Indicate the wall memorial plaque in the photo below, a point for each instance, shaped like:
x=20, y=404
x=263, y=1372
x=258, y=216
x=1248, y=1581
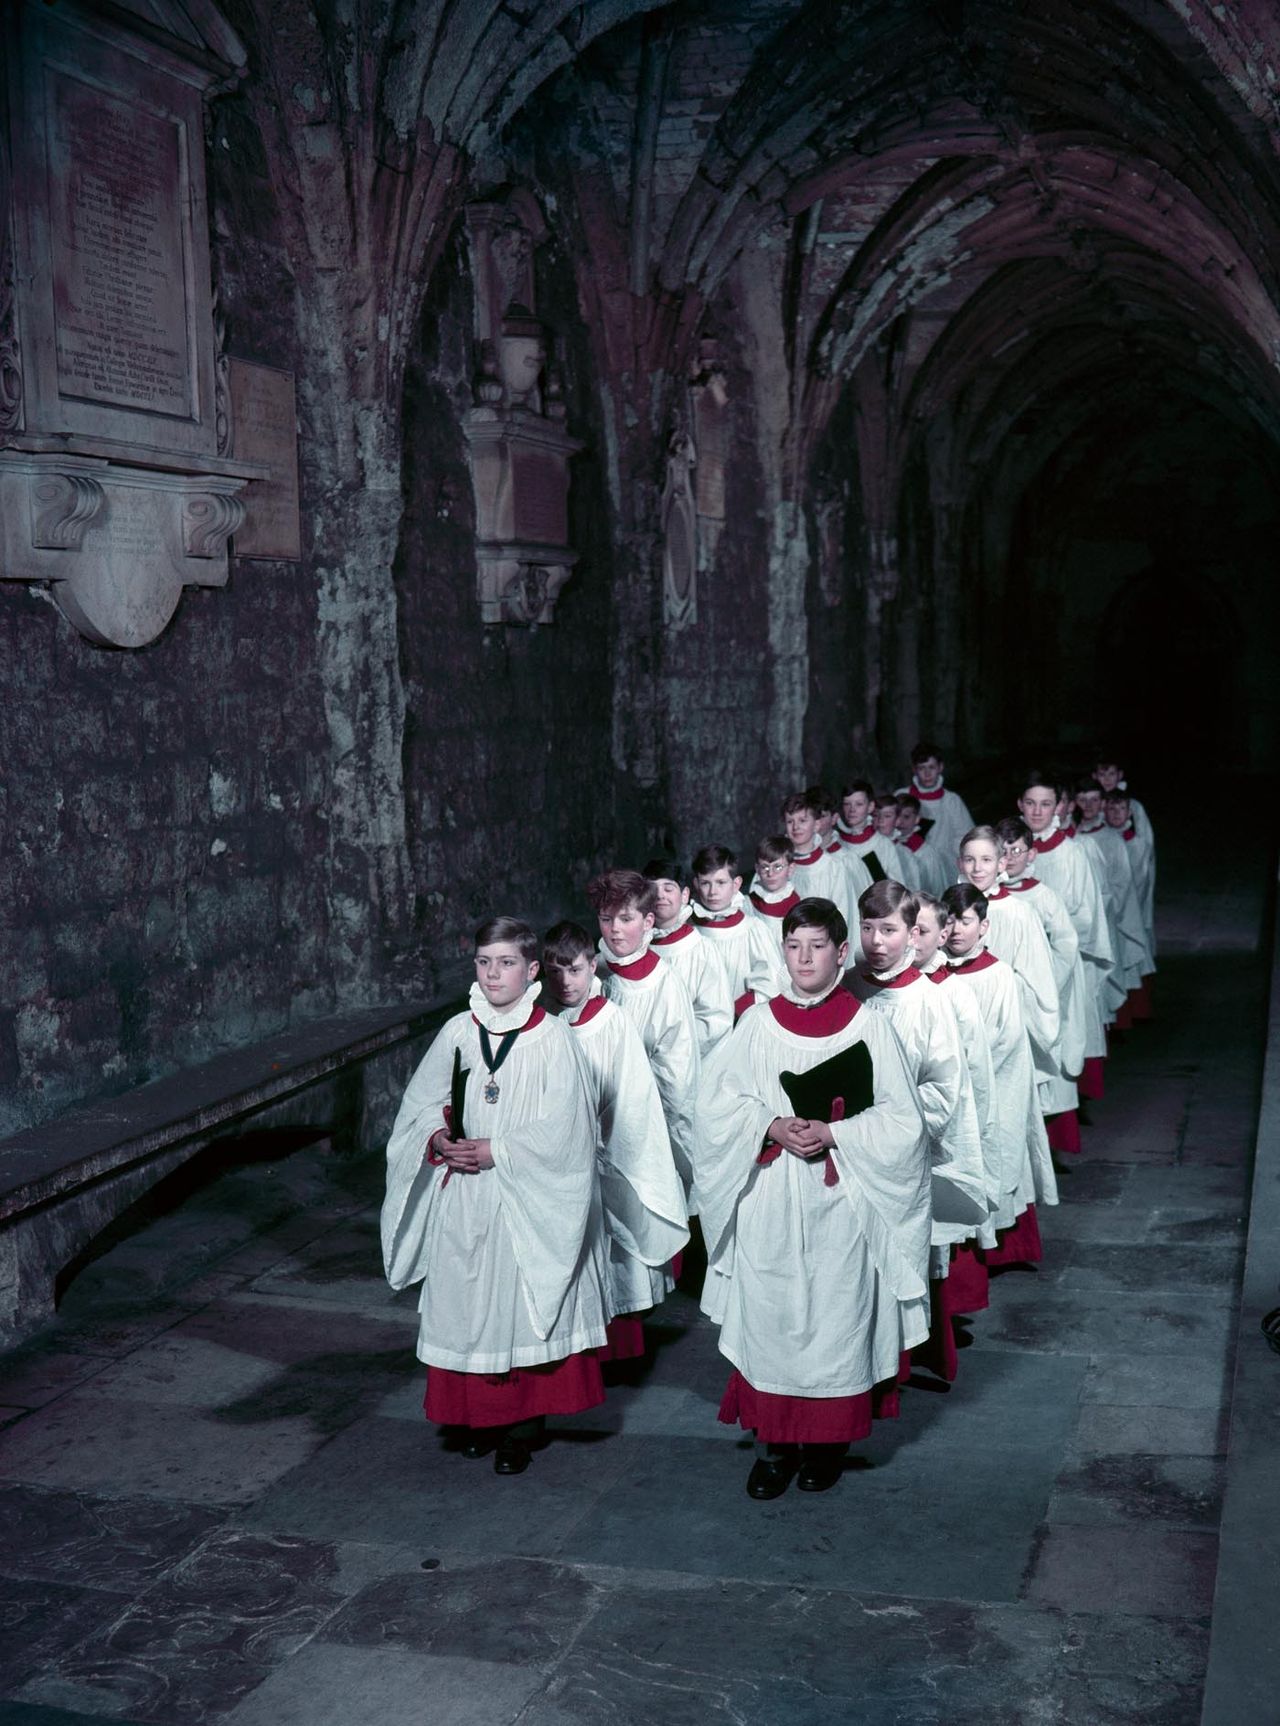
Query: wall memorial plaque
x=518, y=445
x=264, y=429
x=119, y=293
x=112, y=487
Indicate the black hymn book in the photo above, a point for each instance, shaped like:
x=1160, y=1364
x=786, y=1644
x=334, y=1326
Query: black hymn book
x=848, y=1075
x=457, y=1096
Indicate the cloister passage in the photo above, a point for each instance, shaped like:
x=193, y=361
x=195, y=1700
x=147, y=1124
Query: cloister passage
x=689, y=401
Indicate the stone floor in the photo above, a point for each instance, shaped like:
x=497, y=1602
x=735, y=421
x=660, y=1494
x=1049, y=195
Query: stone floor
x=220, y=1501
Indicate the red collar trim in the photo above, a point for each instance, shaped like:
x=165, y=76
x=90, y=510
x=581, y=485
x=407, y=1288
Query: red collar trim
x=928, y=796
x=535, y=1018
x=709, y=925
x=1001, y=892
x=1044, y=845
x=641, y=969
x=685, y=929
x=814, y=856
x=901, y=981
x=940, y=975
x=983, y=962
x=778, y=909
x=1022, y=884
x=595, y=1005
x=913, y=841
x=824, y=1020
x=868, y=832
x=1130, y=832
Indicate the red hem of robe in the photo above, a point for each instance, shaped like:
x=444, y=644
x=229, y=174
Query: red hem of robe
x=1063, y=1132
x=1018, y=1245
x=1139, y=1003
x=501, y=1399
x=967, y=1287
x=624, y=1339
x=805, y=1419
x=1091, y=1083
x=937, y=1353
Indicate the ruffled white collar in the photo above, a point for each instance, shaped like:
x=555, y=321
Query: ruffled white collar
x=973, y=953
x=736, y=904
x=929, y=966
x=907, y=960
x=597, y=988
x=789, y=992
x=500, y=1021
x=612, y=958
x=771, y=895
x=686, y=911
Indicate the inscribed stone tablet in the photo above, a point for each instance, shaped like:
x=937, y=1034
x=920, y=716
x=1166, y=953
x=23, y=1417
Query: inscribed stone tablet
x=117, y=221
x=265, y=430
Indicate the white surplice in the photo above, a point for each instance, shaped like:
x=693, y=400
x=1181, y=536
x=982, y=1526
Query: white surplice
x=653, y=996
x=748, y=948
x=976, y=1045
x=512, y=1260
x=930, y=1036
x=702, y=975
x=1060, y=863
x=1026, y=1163
x=1123, y=903
x=818, y=1287
x=641, y=1191
x=818, y=874
x=949, y=819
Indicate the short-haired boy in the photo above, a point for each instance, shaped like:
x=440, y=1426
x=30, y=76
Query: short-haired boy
x=1124, y=908
x=936, y=873
x=1117, y=808
x=645, y=1217
x=889, y=981
x=493, y=1204
x=653, y=996
x=948, y=811
x=1080, y=1025
x=816, y=873
x=746, y=945
x=1017, y=935
x=1060, y=861
x=902, y=863
x=773, y=893
x=965, y=1288
x=675, y=938
x=816, y=1222
x=1026, y=1161
x=862, y=839
x=1110, y=775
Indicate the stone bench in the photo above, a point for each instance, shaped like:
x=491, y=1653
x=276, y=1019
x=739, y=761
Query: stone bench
x=62, y=1183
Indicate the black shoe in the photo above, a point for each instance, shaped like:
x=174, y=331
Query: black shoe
x=819, y=1475
x=770, y=1477
x=476, y=1446
x=511, y=1456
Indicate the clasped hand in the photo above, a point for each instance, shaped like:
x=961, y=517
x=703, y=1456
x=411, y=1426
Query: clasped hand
x=467, y=1156
x=802, y=1138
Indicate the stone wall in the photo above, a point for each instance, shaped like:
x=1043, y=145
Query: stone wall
x=160, y=810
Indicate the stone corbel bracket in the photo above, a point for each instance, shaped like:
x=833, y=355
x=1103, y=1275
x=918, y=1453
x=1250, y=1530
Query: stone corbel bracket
x=116, y=543
x=208, y=521
x=518, y=585
x=62, y=507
